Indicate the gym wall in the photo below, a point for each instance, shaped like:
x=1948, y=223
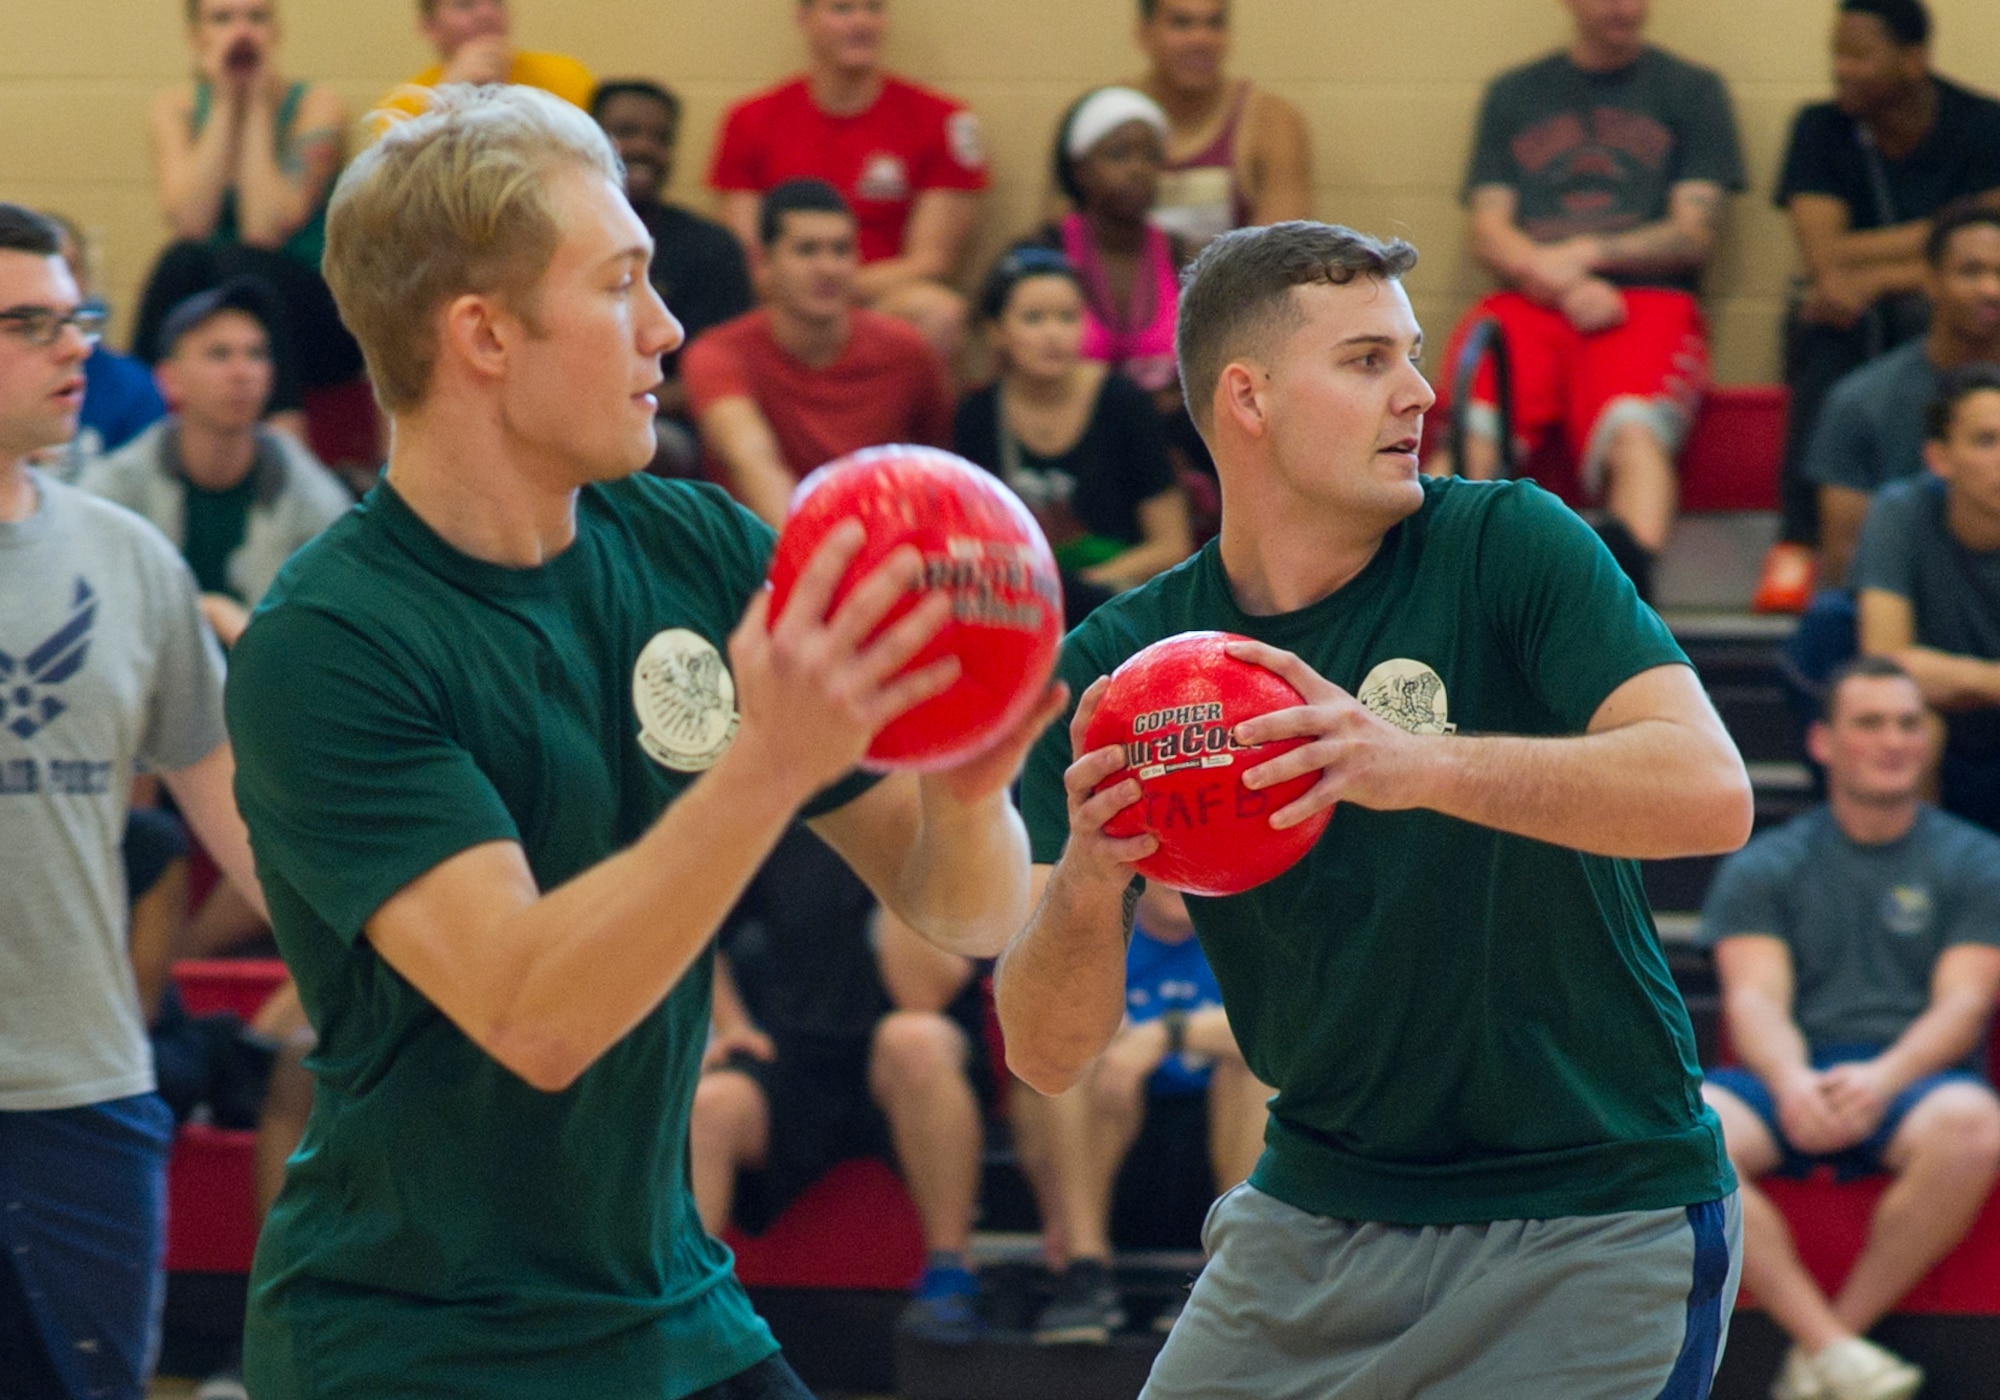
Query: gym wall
x=1389, y=91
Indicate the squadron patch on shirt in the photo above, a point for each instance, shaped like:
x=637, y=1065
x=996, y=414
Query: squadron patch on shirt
x=1906, y=910
x=1408, y=694
x=968, y=146
x=685, y=699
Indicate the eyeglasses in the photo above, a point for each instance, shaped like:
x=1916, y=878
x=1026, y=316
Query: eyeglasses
x=43, y=325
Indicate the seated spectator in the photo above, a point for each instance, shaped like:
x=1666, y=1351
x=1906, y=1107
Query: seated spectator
x=825, y=1048
x=1108, y=156
x=1174, y=1062
x=910, y=162
x=1236, y=154
x=808, y=376
x=234, y=497
x=120, y=399
x=1595, y=186
x=243, y=160
x=1862, y=178
x=1871, y=430
x=240, y=1076
x=697, y=264
x=1079, y=444
x=1928, y=579
x=1858, y=949
x=474, y=43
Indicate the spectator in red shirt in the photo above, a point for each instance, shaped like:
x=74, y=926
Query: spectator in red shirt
x=909, y=161
x=808, y=376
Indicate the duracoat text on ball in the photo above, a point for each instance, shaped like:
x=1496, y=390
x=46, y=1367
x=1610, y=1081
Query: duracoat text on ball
x=981, y=545
x=1174, y=708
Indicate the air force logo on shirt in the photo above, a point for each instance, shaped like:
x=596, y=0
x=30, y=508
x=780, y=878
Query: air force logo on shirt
x=1408, y=694
x=685, y=699
x=30, y=696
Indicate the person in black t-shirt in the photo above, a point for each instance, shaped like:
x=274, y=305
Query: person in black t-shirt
x=1080, y=444
x=1863, y=176
x=697, y=264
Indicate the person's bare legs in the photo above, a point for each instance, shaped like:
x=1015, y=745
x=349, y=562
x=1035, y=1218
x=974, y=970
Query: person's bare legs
x=916, y=1074
x=729, y=1131
x=1031, y=1119
x=224, y=920
x=1236, y=1119
x=1771, y=1265
x=1945, y=1156
x=1094, y=1125
x=1641, y=487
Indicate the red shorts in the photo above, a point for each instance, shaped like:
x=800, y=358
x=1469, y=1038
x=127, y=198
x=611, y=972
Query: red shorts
x=1653, y=368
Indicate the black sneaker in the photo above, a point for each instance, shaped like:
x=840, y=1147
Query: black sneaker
x=1085, y=1309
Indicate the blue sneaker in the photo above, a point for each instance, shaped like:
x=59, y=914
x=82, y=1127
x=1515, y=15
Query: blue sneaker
x=944, y=1308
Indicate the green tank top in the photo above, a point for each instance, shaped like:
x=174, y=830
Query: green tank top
x=308, y=240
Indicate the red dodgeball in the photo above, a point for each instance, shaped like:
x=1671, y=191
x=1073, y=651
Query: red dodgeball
x=1174, y=706
x=980, y=543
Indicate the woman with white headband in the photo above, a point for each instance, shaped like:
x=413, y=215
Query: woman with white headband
x=1108, y=158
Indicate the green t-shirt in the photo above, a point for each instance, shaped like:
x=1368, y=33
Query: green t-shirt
x=1462, y=1025
x=445, y=1229
x=213, y=525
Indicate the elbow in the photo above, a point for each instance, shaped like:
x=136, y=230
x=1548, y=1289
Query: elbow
x=547, y=1063
x=1727, y=810
x=1045, y=1076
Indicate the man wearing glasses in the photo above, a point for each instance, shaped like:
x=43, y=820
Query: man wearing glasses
x=104, y=663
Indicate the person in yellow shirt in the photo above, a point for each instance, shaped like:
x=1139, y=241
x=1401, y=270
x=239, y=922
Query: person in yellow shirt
x=474, y=43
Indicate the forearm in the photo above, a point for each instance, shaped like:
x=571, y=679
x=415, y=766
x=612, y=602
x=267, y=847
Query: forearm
x=192, y=188
x=1060, y=985
x=1937, y=1040
x=1510, y=255
x=877, y=279
x=964, y=887
x=205, y=793
x=1874, y=248
x=1669, y=246
x=727, y=1012
x=588, y=961
x=1766, y=1040
x=1647, y=790
x=1208, y=1034
x=742, y=440
x=1949, y=681
x=1137, y=564
x=269, y=202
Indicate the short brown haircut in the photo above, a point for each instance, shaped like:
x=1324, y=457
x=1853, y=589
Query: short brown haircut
x=451, y=202
x=1858, y=668
x=1238, y=294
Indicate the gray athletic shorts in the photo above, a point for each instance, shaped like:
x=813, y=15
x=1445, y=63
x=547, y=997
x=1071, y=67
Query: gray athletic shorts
x=1607, y=1307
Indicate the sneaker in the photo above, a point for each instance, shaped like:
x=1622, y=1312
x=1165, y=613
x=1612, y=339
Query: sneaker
x=1857, y=1369
x=945, y=1308
x=1797, y=1380
x=1085, y=1309
x=1786, y=583
x=1165, y=1318
x=225, y=1384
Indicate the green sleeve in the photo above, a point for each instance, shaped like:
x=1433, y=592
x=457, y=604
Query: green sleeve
x=1571, y=618
x=346, y=772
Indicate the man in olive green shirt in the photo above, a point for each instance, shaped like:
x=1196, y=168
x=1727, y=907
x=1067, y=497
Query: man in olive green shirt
x=510, y=748
x=1488, y=1169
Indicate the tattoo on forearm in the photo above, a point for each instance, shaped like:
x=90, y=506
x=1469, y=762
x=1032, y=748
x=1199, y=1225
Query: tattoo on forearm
x=1128, y=911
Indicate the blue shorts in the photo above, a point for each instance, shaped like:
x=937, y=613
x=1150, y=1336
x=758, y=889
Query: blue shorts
x=83, y=1196
x=1865, y=1157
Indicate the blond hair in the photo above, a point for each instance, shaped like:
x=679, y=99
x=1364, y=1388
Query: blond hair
x=450, y=202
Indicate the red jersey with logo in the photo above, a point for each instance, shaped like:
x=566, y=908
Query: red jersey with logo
x=887, y=385
x=908, y=140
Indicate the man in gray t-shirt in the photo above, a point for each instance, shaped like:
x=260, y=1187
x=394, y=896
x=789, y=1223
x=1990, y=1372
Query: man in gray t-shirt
x=1928, y=576
x=105, y=664
x=1858, y=948
x=1871, y=428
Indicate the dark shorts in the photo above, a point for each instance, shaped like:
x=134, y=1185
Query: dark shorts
x=822, y=1113
x=208, y=1061
x=770, y=1379
x=82, y=1235
x=1865, y=1157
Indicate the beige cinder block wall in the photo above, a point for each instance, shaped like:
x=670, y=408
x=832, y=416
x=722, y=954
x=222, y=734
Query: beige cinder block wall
x=1389, y=90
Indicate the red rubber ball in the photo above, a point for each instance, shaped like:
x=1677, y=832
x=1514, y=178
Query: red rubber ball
x=981, y=545
x=1174, y=707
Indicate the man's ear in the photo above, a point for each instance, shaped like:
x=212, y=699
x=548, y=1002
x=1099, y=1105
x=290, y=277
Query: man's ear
x=479, y=333
x=1240, y=397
